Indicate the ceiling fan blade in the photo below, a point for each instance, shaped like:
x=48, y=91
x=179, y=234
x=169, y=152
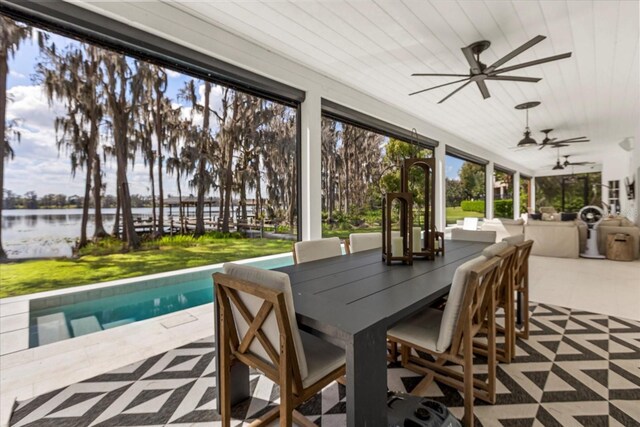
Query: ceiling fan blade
x=435, y=87
x=439, y=75
x=534, y=41
x=484, y=90
x=468, y=53
x=572, y=139
x=515, y=79
x=571, y=142
x=581, y=163
x=531, y=63
x=453, y=93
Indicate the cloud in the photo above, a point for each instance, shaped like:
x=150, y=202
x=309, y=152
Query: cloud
x=39, y=166
x=17, y=75
x=171, y=73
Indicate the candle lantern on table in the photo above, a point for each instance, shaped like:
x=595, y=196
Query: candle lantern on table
x=397, y=246
x=427, y=246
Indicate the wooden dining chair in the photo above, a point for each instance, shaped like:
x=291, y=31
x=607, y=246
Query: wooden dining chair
x=311, y=250
x=521, y=283
x=503, y=300
x=359, y=242
x=258, y=328
x=448, y=335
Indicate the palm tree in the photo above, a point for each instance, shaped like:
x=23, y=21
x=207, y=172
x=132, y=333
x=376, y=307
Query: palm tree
x=12, y=35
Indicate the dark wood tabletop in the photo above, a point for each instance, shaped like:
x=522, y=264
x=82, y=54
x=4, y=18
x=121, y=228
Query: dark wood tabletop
x=347, y=294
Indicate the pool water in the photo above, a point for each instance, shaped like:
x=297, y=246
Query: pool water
x=62, y=322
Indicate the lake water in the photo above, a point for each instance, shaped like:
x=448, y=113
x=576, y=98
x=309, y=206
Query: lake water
x=34, y=233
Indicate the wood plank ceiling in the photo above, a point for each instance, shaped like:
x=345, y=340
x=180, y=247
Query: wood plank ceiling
x=375, y=45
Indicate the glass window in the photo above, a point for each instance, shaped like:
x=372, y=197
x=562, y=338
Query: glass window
x=502, y=194
x=465, y=189
x=110, y=151
x=358, y=167
x=569, y=193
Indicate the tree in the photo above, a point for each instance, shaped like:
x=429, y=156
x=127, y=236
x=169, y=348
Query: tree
x=72, y=76
x=203, y=143
x=122, y=92
x=472, y=177
x=156, y=109
x=12, y=35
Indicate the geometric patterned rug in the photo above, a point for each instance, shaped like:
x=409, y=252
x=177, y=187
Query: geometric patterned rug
x=576, y=369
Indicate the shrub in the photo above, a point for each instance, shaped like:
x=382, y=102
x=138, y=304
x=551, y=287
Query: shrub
x=503, y=208
x=472, y=206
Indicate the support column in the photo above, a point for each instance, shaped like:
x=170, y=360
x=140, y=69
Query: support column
x=310, y=170
x=489, y=191
x=440, y=186
x=516, y=195
x=532, y=195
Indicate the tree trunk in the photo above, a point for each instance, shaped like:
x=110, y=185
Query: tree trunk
x=130, y=236
x=228, y=163
x=116, y=223
x=160, y=138
x=99, y=232
x=4, y=68
x=153, y=190
x=85, y=206
x=202, y=164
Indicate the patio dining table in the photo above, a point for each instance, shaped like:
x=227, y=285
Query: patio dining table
x=353, y=300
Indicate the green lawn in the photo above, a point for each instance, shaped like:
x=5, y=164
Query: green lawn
x=344, y=234
x=20, y=278
x=456, y=213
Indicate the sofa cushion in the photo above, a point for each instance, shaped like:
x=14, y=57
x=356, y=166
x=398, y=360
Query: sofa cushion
x=551, y=224
x=551, y=217
x=555, y=239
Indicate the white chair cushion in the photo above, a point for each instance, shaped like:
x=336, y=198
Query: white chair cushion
x=495, y=249
x=311, y=250
x=322, y=358
x=364, y=241
x=454, y=303
x=514, y=240
x=273, y=280
x=421, y=330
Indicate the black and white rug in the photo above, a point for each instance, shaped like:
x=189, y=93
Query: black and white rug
x=576, y=369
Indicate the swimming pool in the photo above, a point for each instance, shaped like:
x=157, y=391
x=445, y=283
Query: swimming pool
x=55, y=319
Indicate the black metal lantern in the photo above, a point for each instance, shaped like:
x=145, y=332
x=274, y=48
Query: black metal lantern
x=397, y=247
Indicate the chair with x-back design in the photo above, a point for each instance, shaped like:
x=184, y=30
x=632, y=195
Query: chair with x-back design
x=258, y=328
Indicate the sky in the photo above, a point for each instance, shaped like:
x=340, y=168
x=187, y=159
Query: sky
x=38, y=164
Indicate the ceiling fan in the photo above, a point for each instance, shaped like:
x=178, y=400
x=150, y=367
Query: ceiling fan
x=553, y=143
x=561, y=165
x=567, y=163
x=480, y=72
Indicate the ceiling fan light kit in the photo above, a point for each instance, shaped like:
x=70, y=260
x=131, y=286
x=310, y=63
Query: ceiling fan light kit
x=480, y=72
x=527, y=141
